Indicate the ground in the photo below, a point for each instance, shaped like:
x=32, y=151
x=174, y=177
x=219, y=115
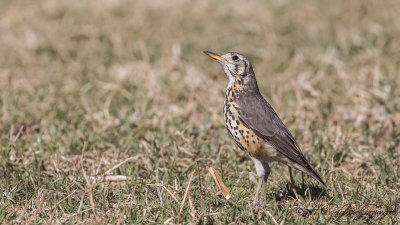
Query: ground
x=94, y=89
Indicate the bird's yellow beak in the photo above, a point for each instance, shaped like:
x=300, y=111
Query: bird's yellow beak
x=214, y=56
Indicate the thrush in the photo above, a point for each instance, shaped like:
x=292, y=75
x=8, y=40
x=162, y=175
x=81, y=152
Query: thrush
x=254, y=125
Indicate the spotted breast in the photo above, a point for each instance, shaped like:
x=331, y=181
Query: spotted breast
x=244, y=137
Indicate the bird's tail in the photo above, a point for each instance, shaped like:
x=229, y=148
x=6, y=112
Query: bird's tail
x=310, y=171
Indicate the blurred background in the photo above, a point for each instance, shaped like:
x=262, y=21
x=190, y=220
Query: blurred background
x=84, y=85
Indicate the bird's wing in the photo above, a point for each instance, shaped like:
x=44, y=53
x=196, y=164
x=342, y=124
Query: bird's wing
x=257, y=114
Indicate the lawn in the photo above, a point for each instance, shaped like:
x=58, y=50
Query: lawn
x=110, y=113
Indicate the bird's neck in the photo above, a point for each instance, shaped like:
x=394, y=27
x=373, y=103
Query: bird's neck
x=242, y=86
x=232, y=92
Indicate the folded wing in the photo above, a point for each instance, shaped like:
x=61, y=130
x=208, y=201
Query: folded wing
x=258, y=115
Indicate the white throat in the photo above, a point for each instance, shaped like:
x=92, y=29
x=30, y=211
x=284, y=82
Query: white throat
x=229, y=75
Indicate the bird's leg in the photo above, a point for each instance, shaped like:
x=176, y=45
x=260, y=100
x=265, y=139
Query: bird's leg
x=267, y=170
x=291, y=177
x=259, y=197
x=263, y=172
x=259, y=184
x=292, y=184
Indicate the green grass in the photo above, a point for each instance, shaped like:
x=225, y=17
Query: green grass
x=86, y=85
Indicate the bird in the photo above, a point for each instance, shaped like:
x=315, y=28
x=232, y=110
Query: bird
x=255, y=126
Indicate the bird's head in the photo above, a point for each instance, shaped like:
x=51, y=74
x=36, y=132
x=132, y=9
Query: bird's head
x=235, y=65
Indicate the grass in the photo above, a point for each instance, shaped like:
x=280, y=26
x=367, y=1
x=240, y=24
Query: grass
x=88, y=87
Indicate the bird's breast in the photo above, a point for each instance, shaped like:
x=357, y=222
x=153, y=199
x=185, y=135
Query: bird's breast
x=244, y=137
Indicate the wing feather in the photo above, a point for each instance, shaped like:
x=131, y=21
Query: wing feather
x=258, y=115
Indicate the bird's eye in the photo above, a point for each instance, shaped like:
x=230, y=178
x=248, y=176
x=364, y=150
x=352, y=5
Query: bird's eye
x=235, y=57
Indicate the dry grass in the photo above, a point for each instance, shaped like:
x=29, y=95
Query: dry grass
x=94, y=89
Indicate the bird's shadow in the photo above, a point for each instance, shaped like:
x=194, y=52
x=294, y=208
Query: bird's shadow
x=311, y=192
